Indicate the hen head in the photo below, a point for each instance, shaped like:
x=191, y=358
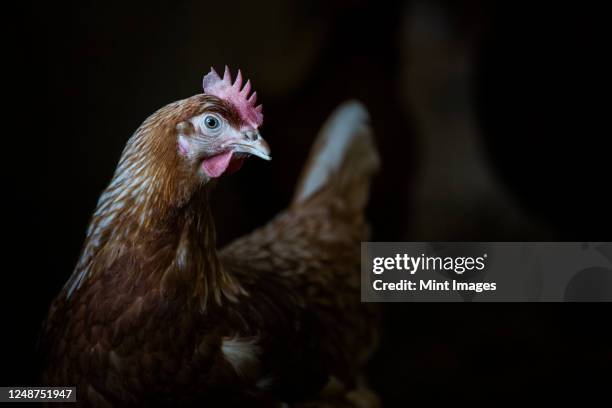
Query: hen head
x=225, y=131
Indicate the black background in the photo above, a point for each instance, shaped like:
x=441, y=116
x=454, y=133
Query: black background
x=94, y=70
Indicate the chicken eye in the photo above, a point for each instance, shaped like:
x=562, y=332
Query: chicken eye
x=211, y=122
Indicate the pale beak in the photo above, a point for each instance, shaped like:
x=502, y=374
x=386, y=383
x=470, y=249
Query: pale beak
x=253, y=143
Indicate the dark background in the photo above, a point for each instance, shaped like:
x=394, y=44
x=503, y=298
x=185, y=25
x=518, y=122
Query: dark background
x=492, y=121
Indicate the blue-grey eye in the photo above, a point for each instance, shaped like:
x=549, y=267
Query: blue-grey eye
x=211, y=122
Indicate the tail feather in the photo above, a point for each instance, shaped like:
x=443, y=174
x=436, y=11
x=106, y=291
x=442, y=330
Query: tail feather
x=342, y=160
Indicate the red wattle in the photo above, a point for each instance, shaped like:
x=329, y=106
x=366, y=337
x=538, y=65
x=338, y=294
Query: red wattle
x=215, y=166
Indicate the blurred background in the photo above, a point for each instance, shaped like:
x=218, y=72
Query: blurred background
x=491, y=119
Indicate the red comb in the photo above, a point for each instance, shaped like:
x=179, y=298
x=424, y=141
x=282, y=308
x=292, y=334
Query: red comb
x=223, y=88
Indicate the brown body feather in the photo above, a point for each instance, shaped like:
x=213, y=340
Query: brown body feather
x=153, y=315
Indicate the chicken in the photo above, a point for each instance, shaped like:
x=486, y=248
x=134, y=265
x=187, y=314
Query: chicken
x=154, y=315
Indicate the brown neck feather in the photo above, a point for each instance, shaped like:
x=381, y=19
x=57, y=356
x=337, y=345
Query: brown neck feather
x=155, y=218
